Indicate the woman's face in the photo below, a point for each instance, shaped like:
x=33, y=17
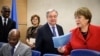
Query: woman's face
x=81, y=21
x=35, y=21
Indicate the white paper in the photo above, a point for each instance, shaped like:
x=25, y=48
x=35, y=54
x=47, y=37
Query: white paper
x=32, y=40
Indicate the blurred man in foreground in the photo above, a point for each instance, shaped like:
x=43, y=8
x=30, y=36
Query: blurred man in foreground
x=15, y=47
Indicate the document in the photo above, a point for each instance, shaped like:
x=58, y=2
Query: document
x=32, y=40
x=61, y=40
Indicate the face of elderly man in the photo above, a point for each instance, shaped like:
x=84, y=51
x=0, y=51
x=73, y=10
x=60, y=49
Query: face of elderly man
x=14, y=37
x=52, y=17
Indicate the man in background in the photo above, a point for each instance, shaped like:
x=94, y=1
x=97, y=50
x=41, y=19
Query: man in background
x=44, y=42
x=15, y=47
x=6, y=24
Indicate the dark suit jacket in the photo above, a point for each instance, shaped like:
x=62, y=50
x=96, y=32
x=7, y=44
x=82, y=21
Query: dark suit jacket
x=4, y=31
x=44, y=42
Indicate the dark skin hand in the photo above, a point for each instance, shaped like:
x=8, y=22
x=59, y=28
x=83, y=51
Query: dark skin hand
x=13, y=37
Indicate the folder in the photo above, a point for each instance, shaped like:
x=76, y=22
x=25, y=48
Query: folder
x=62, y=40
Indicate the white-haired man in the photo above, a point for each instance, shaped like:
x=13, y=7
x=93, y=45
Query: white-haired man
x=44, y=42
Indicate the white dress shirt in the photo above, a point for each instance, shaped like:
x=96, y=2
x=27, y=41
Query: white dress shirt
x=56, y=30
x=3, y=20
x=16, y=46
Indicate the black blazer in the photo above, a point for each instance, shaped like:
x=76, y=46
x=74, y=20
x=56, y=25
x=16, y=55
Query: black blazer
x=4, y=31
x=44, y=42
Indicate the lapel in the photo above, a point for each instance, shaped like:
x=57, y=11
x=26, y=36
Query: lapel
x=48, y=30
x=81, y=36
x=8, y=50
x=18, y=50
x=8, y=23
x=1, y=23
x=58, y=29
x=89, y=33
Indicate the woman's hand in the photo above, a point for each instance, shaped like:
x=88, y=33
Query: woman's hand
x=61, y=49
x=32, y=45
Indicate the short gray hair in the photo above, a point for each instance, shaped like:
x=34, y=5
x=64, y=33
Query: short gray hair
x=51, y=10
x=13, y=30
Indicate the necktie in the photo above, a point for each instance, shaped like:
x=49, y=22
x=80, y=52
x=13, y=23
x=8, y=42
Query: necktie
x=12, y=51
x=5, y=22
x=54, y=32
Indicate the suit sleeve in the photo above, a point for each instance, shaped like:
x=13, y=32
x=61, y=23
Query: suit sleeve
x=28, y=52
x=1, y=51
x=14, y=25
x=68, y=49
x=39, y=40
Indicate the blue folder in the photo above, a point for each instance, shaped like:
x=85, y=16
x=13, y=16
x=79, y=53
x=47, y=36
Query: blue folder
x=61, y=40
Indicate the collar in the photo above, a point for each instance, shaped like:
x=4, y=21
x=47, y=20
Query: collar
x=3, y=18
x=51, y=25
x=17, y=44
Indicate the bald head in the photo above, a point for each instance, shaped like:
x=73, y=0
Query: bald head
x=13, y=37
x=5, y=11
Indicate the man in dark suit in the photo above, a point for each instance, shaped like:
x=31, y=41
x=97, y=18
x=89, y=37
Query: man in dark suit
x=44, y=42
x=6, y=24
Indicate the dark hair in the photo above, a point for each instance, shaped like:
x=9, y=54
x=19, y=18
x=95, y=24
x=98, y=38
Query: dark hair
x=4, y=8
x=85, y=12
x=32, y=17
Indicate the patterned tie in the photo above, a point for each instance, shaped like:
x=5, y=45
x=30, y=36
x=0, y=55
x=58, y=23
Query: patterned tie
x=12, y=50
x=54, y=32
